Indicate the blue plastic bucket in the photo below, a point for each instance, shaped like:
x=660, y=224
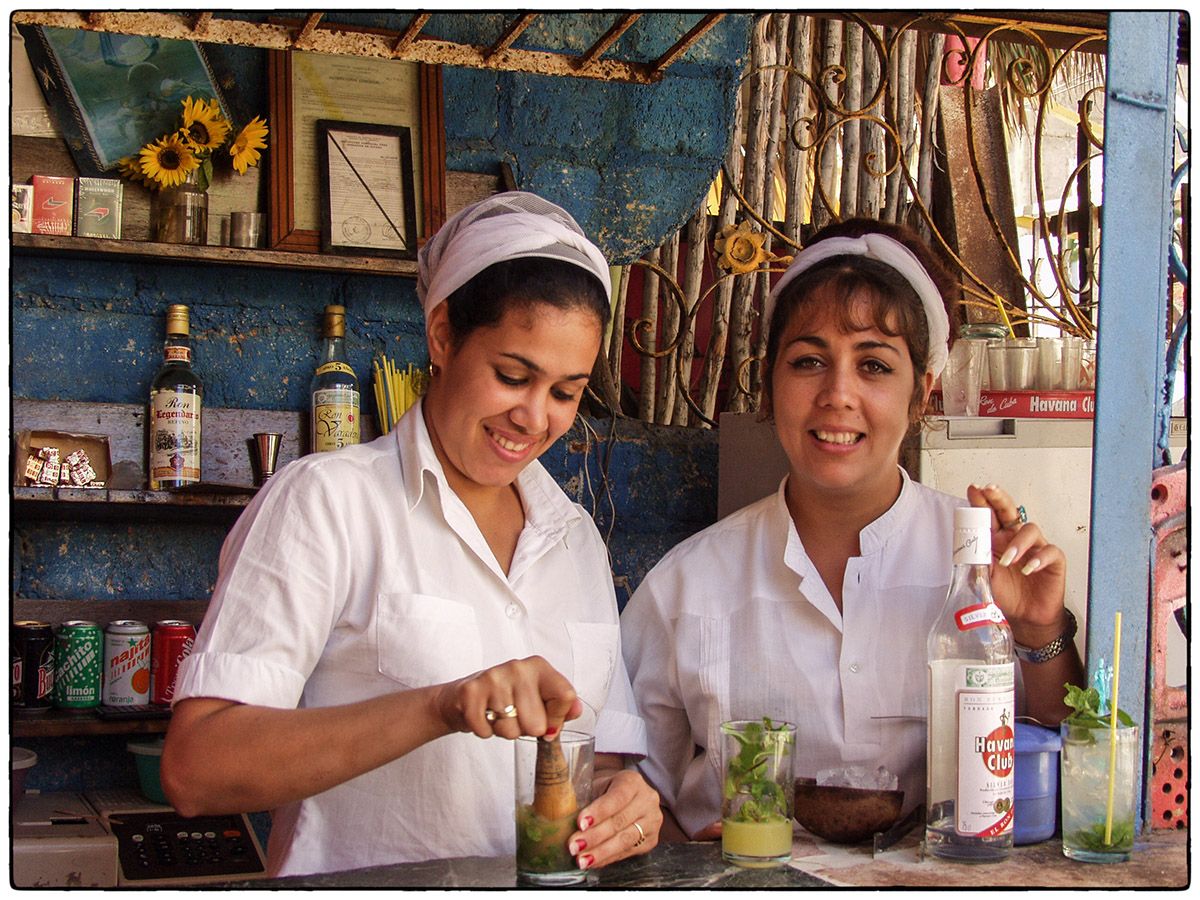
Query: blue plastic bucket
x=1035, y=773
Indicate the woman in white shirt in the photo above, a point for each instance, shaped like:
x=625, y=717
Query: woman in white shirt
x=388, y=617
x=813, y=604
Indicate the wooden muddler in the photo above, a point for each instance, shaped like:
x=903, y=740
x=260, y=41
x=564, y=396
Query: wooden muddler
x=553, y=793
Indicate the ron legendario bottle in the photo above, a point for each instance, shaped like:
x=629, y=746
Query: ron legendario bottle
x=176, y=397
x=972, y=724
x=335, y=397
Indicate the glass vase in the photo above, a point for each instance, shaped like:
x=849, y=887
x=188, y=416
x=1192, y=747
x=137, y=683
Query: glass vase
x=180, y=214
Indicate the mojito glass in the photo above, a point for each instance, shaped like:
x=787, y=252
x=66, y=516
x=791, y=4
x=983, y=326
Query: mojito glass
x=759, y=792
x=1084, y=784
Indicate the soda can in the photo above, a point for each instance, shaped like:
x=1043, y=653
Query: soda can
x=126, y=663
x=78, y=661
x=32, y=666
x=173, y=639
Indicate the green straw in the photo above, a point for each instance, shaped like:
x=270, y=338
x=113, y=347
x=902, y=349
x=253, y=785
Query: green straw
x=1112, y=730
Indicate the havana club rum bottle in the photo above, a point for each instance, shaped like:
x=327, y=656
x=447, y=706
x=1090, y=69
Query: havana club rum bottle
x=971, y=727
x=335, y=397
x=176, y=396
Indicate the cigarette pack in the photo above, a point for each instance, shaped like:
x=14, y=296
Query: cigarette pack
x=98, y=207
x=22, y=208
x=53, y=202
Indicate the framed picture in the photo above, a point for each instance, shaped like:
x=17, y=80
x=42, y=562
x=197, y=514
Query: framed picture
x=306, y=88
x=366, y=175
x=112, y=93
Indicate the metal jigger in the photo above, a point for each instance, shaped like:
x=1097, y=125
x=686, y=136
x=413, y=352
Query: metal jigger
x=264, y=453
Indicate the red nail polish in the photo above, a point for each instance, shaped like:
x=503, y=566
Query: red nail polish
x=585, y=823
x=577, y=845
x=551, y=731
x=585, y=862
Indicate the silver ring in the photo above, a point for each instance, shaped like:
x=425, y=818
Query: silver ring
x=642, y=835
x=1021, y=519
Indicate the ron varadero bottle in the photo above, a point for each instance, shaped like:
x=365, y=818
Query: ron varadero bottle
x=176, y=398
x=971, y=708
x=335, y=397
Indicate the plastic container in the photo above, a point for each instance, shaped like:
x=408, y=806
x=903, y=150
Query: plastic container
x=1035, y=774
x=22, y=761
x=148, y=757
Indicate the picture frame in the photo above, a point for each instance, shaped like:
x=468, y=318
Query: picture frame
x=306, y=87
x=110, y=94
x=367, y=194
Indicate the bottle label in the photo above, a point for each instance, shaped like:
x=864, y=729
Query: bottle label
x=979, y=615
x=173, y=353
x=986, y=750
x=335, y=421
x=174, y=437
x=339, y=367
x=972, y=547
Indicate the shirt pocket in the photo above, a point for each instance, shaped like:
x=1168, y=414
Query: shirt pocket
x=594, y=649
x=426, y=640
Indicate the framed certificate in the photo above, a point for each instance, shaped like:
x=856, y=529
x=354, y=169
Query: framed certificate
x=307, y=87
x=367, y=194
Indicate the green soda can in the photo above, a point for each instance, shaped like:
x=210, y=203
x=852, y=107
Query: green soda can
x=78, y=663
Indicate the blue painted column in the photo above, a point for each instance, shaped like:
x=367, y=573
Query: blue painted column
x=1138, y=146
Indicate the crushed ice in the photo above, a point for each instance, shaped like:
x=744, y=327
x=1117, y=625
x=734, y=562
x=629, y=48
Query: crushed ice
x=859, y=777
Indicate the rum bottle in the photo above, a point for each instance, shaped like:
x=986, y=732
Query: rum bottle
x=971, y=727
x=335, y=397
x=174, y=422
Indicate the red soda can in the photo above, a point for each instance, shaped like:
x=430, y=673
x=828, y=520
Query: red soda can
x=32, y=666
x=173, y=639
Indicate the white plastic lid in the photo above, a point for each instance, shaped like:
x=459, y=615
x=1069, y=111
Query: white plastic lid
x=973, y=518
x=23, y=758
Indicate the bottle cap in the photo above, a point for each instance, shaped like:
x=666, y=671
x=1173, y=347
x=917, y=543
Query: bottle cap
x=973, y=517
x=972, y=535
x=177, y=319
x=334, y=321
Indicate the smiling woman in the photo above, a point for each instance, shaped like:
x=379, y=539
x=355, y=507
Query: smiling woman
x=377, y=607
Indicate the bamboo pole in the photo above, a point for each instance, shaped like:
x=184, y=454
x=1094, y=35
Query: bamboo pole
x=827, y=162
x=664, y=403
x=870, y=189
x=648, y=338
x=796, y=159
x=929, y=104
x=693, y=275
x=900, y=102
x=617, y=331
x=851, y=157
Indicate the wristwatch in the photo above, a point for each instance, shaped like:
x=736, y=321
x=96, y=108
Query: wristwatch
x=1052, y=649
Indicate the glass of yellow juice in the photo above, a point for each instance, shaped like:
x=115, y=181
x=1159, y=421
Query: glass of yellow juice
x=758, y=795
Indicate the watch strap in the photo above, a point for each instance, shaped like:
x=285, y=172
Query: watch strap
x=1052, y=649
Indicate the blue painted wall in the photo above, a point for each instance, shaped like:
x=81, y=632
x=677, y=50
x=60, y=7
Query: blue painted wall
x=630, y=161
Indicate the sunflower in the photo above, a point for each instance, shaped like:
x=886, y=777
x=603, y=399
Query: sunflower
x=246, y=145
x=204, y=128
x=131, y=167
x=168, y=160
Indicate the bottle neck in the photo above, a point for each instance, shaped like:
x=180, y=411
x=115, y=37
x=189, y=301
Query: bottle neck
x=333, y=349
x=972, y=580
x=177, y=349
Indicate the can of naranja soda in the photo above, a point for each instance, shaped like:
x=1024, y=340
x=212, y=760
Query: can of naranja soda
x=126, y=663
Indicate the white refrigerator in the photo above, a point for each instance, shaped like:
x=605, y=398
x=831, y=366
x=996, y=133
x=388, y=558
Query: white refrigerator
x=1046, y=464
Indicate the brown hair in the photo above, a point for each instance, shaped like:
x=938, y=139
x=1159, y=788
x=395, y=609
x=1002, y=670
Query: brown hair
x=892, y=304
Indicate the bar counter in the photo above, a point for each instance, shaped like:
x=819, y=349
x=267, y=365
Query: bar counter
x=1160, y=860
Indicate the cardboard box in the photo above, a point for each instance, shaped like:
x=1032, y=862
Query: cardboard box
x=1029, y=404
x=53, y=203
x=98, y=207
x=31, y=443
x=22, y=208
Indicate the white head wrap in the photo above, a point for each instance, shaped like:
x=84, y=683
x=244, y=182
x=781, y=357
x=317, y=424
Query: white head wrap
x=892, y=253
x=502, y=227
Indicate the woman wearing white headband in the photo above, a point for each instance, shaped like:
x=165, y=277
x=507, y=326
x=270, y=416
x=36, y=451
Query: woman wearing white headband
x=389, y=617
x=813, y=604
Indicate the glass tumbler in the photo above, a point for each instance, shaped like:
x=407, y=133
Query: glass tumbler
x=554, y=782
x=1049, y=364
x=759, y=793
x=1084, y=781
x=1020, y=356
x=1072, y=363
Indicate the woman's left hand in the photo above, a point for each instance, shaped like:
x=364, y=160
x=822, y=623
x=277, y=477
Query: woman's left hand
x=623, y=821
x=1029, y=579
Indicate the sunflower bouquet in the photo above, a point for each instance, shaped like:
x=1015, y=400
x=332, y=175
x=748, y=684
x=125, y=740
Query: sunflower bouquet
x=187, y=153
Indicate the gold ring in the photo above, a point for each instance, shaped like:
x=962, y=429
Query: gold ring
x=490, y=715
x=509, y=712
x=641, y=835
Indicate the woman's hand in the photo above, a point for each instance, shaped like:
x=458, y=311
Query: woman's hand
x=521, y=696
x=623, y=821
x=1029, y=579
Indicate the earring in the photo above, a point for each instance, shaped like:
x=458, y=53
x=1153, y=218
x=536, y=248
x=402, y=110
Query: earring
x=434, y=370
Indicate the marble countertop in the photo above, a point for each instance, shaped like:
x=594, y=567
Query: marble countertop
x=1160, y=860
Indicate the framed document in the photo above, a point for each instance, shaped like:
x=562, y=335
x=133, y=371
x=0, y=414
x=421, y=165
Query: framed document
x=366, y=175
x=305, y=88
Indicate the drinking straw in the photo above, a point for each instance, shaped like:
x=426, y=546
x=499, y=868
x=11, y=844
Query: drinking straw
x=1112, y=730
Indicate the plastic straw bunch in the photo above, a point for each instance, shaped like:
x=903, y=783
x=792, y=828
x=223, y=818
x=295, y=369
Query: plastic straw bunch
x=395, y=391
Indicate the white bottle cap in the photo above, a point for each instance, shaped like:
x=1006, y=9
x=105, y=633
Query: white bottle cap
x=972, y=535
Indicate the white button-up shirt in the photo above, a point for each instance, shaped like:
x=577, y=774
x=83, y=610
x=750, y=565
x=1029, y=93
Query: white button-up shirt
x=736, y=623
x=360, y=572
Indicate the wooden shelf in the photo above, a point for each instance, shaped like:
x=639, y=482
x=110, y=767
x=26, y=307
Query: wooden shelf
x=61, y=504
x=81, y=723
x=153, y=251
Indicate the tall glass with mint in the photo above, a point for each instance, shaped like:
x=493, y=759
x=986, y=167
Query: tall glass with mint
x=758, y=797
